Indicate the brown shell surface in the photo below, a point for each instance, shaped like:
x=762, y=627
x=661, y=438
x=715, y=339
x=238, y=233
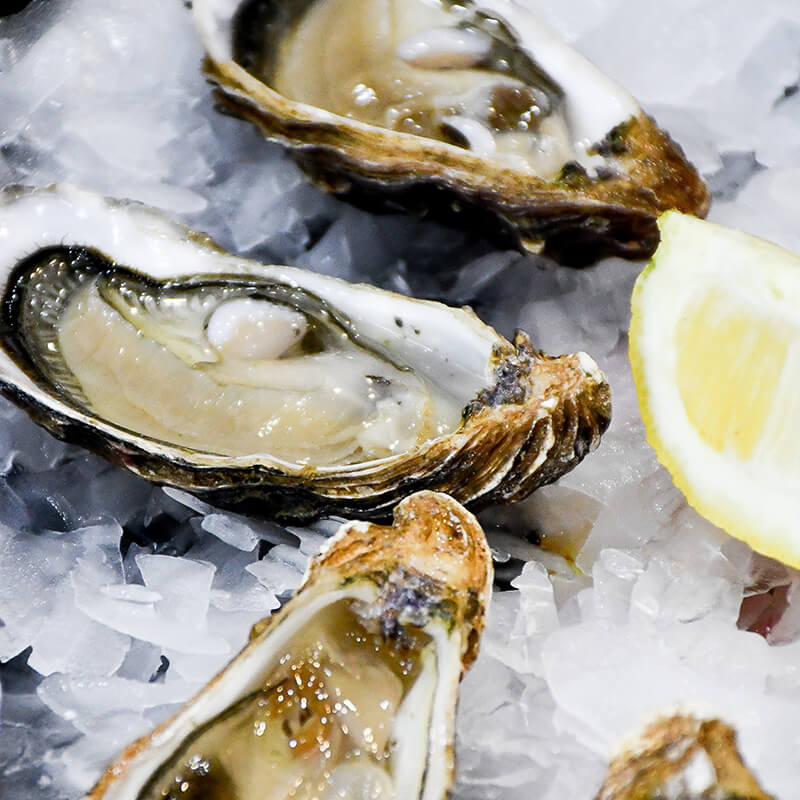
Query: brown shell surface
x=433, y=541
x=651, y=767
x=577, y=219
x=539, y=419
x=434, y=536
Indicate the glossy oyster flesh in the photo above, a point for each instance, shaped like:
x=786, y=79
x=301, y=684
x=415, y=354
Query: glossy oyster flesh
x=275, y=389
x=683, y=757
x=350, y=690
x=468, y=110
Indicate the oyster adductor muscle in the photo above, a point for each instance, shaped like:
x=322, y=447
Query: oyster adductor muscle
x=270, y=388
x=350, y=690
x=470, y=111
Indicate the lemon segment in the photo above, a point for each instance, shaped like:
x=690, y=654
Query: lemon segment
x=715, y=350
x=728, y=368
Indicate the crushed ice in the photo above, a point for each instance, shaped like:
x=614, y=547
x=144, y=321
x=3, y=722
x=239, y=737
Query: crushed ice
x=118, y=599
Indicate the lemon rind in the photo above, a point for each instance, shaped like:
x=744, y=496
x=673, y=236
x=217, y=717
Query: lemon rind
x=723, y=507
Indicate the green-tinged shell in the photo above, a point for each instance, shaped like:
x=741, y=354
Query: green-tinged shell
x=420, y=587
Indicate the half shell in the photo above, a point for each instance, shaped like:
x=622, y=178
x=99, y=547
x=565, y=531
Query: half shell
x=496, y=124
x=511, y=418
x=352, y=684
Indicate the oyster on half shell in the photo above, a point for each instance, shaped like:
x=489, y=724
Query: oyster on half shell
x=350, y=690
x=470, y=110
x=270, y=388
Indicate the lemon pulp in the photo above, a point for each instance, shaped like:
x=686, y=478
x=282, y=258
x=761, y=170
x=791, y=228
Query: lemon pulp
x=728, y=370
x=715, y=350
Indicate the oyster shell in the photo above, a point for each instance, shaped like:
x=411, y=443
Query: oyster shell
x=350, y=689
x=270, y=388
x=471, y=111
x=680, y=756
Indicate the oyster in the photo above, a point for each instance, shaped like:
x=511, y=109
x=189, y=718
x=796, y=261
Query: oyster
x=270, y=388
x=350, y=689
x=682, y=757
x=472, y=111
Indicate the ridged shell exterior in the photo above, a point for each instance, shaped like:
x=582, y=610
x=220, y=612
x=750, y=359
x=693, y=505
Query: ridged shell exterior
x=434, y=556
x=576, y=218
x=539, y=417
x=662, y=762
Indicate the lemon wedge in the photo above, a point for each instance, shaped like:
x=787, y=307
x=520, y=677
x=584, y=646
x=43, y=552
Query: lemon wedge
x=715, y=350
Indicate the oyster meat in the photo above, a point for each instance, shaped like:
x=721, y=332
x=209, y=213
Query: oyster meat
x=262, y=366
x=467, y=110
x=350, y=690
x=270, y=388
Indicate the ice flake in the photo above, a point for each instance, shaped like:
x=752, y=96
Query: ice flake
x=635, y=604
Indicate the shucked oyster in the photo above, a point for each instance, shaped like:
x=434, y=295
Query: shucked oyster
x=272, y=388
x=469, y=109
x=350, y=690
